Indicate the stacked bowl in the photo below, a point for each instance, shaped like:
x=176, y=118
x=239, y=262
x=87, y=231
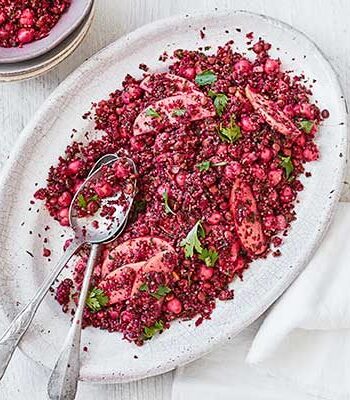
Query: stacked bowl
x=35, y=58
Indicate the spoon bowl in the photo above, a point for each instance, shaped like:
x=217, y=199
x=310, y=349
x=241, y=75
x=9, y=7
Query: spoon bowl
x=99, y=228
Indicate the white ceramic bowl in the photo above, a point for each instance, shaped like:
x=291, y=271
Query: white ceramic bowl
x=68, y=22
x=109, y=358
x=39, y=65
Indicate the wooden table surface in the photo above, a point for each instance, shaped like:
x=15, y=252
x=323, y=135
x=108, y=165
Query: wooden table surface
x=324, y=21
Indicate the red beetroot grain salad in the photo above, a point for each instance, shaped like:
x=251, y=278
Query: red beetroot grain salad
x=24, y=21
x=219, y=142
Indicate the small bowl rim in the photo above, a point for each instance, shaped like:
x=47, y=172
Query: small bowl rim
x=66, y=25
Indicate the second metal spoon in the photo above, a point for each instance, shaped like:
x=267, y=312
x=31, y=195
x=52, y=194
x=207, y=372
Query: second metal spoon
x=64, y=378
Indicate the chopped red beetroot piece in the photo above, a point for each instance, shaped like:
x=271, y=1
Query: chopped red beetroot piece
x=247, y=218
x=275, y=117
x=118, y=284
x=134, y=250
x=165, y=83
x=194, y=106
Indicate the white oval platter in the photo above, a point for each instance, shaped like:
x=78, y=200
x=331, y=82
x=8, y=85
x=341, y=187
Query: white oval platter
x=110, y=359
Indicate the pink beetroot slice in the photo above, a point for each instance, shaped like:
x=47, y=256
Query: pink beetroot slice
x=162, y=262
x=133, y=251
x=247, y=218
x=275, y=117
x=168, y=84
x=170, y=110
x=118, y=284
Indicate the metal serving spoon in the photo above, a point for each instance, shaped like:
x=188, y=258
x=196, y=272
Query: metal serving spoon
x=63, y=381
x=18, y=327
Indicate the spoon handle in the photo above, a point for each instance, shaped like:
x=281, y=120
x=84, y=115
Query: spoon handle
x=20, y=324
x=63, y=381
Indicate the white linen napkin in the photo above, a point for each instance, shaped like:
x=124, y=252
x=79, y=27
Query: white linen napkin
x=301, y=351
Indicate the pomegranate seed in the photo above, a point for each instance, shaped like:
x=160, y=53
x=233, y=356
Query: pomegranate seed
x=27, y=17
x=25, y=35
x=174, y=306
x=74, y=167
x=271, y=66
x=205, y=273
x=46, y=252
x=214, y=219
x=65, y=199
x=243, y=66
x=104, y=190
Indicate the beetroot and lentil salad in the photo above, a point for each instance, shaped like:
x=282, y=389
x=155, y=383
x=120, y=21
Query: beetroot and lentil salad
x=24, y=21
x=219, y=142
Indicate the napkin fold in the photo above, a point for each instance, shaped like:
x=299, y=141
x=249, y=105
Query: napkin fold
x=300, y=350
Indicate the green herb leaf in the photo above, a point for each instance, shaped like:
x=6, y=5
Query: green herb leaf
x=205, y=78
x=95, y=197
x=179, y=112
x=81, y=201
x=168, y=210
x=220, y=101
x=230, y=133
x=143, y=287
x=96, y=299
x=286, y=163
x=209, y=257
x=151, y=112
x=204, y=165
x=161, y=292
x=306, y=125
x=150, y=331
x=192, y=242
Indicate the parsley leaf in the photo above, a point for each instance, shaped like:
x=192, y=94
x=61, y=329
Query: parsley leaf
x=96, y=299
x=95, y=197
x=179, y=112
x=143, y=287
x=151, y=112
x=168, y=210
x=82, y=201
x=230, y=133
x=306, y=125
x=220, y=101
x=205, y=78
x=150, y=331
x=161, y=292
x=192, y=242
x=286, y=163
x=205, y=165
x=209, y=257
